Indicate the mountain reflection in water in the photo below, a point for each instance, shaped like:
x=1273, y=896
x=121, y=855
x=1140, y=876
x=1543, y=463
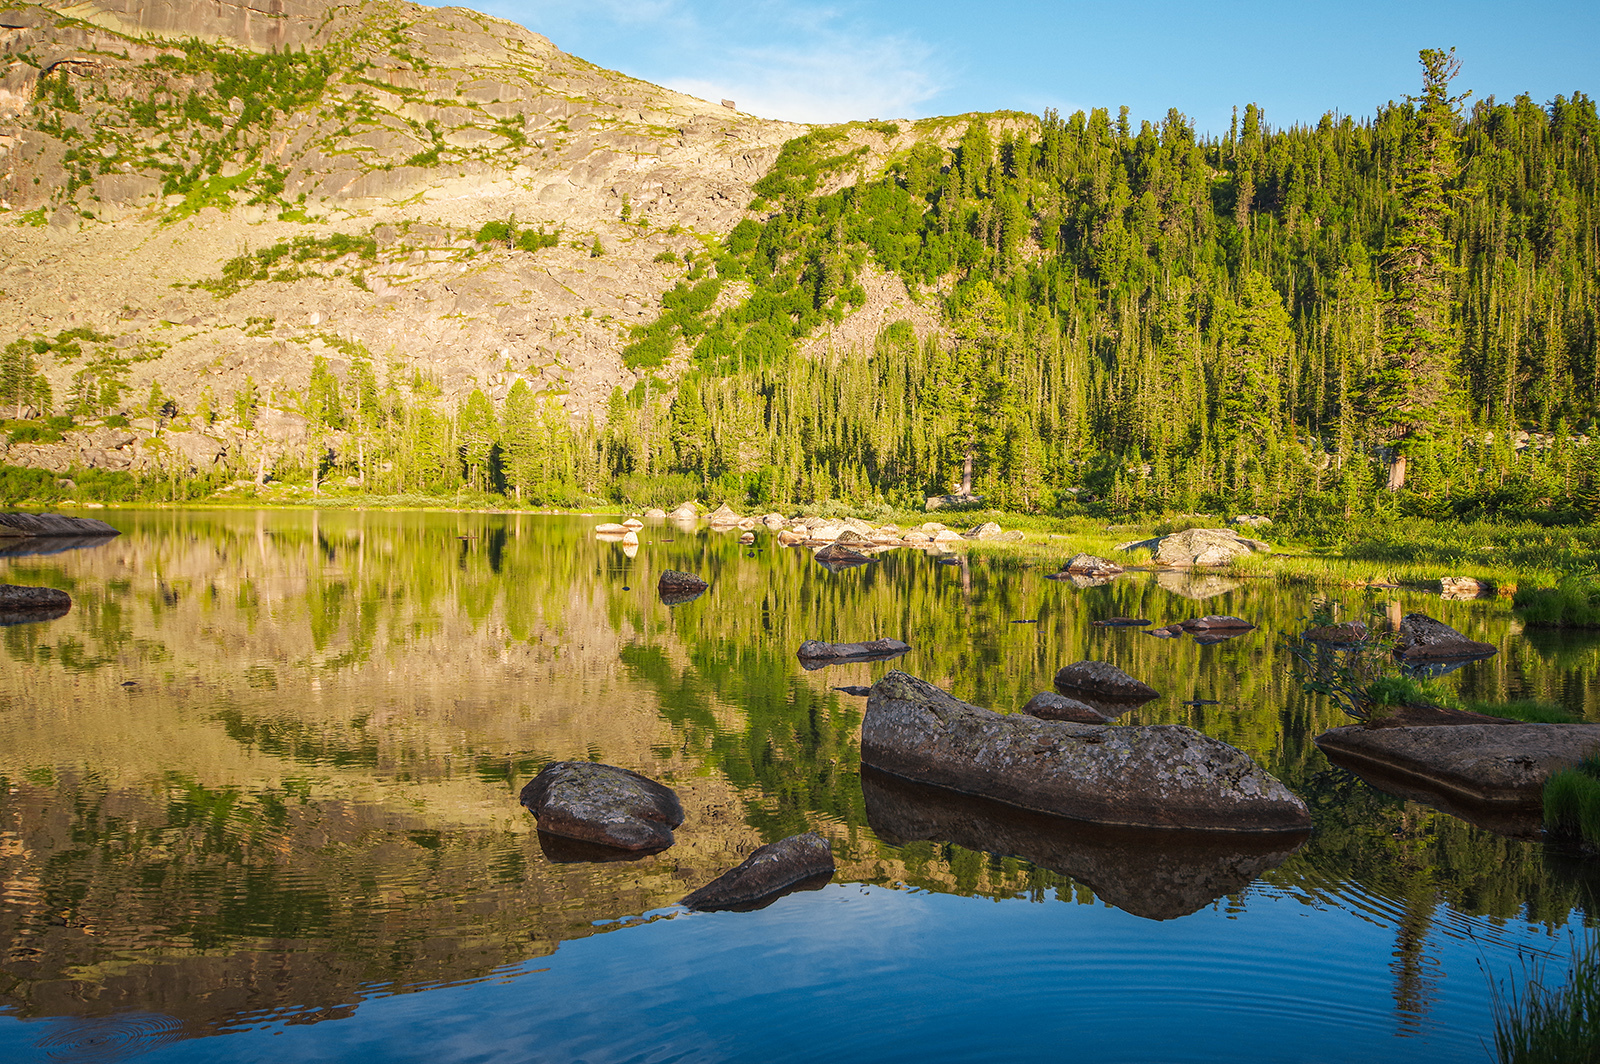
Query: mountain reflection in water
x=265, y=770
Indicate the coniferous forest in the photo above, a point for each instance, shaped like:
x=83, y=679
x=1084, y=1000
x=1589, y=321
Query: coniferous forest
x=1396, y=312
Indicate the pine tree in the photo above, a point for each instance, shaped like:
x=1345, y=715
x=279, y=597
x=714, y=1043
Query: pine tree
x=1412, y=390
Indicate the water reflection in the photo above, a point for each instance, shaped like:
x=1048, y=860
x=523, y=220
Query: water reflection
x=268, y=764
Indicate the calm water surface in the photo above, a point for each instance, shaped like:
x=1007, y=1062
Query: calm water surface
x=258, y=802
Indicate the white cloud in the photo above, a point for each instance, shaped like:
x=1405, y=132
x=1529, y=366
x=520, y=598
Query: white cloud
x=832, y=80
x=833, y=64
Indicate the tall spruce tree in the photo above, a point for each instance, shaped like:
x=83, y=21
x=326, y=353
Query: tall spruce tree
x=1412, y=389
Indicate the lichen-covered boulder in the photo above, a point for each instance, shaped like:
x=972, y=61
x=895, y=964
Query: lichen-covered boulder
x=800, y=861
x=1198, y=547
x=1048, y=705
x=603, y=804
x=676, y=588
x=1156, y=776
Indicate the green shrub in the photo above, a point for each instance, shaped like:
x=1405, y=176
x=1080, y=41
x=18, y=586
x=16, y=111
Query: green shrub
x=1410, y=691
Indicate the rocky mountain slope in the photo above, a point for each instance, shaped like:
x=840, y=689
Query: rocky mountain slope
x=202, y=197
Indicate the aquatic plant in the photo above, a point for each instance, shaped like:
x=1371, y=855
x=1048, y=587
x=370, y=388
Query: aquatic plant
x=1553, y=1025
x=1529, y=710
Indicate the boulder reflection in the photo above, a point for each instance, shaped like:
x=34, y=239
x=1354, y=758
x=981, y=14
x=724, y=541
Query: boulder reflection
x=1158, y=875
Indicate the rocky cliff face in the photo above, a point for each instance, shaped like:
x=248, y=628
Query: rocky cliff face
x=205, y=214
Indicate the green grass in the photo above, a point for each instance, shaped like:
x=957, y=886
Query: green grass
x=1530, y=710
x=1554, y=1025
x=1409, y=691
x=1572, y=801
x=1574, y=602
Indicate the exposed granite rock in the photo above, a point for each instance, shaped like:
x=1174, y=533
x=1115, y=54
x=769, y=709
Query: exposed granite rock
x=1482, y=763
x=1198, y=547
x=603, y=804
x=1160, y=776
x=836, y=557
x=1213, y=622
x=803, y=862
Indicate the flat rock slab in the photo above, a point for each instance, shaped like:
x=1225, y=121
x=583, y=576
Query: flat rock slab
x=1212, y=622
x=766, y=875
x=1103, y=680
x=603, y=804
x=1481, y=763
x=1198, y=547
x=1158, y=875
x=815, y=654
x=1158, y=776
x=15, y=524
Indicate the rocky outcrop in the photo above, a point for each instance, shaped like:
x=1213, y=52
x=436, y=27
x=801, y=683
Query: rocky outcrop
x=1482, y=763
x=1424, y=639
x=675, y=587
x=1048, y=705
x=604, y=805
x=1198, y=547
x=17, y=524
x=1103, y=680
x=1161, y=776
x=815, y=654
x=800, y=862
x=1158, y=875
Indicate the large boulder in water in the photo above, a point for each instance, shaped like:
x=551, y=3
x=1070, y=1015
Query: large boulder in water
x=1158, y=875
x=1198, y=547
x=1424, y=639
x=800, y=862
x=603, y=804
x=835, y=557
x=1103, y=680
x=723, y=516
x=1156, y=776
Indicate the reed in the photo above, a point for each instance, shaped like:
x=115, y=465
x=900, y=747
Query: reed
x=1553, y=1025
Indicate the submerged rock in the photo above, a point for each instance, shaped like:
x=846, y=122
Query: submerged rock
x=1344, y=634
x=1423, y=638
x=603, y=804
x=1213, y=622
x=815, y=654
x=1158, y=875
x=1105, y=680
x=1155, y=776
x=1050, y=706
x=800, y=862
x=1120, y=622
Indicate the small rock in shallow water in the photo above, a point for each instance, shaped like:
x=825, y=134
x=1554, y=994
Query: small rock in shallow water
x=603, y=804
x=768, y=874
x=855, y=689
x=1105, y=680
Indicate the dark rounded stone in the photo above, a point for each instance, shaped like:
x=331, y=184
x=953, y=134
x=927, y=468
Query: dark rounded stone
x=770, y=872
x=603, y=804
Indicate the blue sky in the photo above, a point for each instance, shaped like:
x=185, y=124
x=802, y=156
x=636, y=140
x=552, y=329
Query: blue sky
x=849, y=59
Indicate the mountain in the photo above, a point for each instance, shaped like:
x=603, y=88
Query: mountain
x=198, y=197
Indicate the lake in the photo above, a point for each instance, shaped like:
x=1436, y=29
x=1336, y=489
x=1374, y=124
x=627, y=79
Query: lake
x=258, y=801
